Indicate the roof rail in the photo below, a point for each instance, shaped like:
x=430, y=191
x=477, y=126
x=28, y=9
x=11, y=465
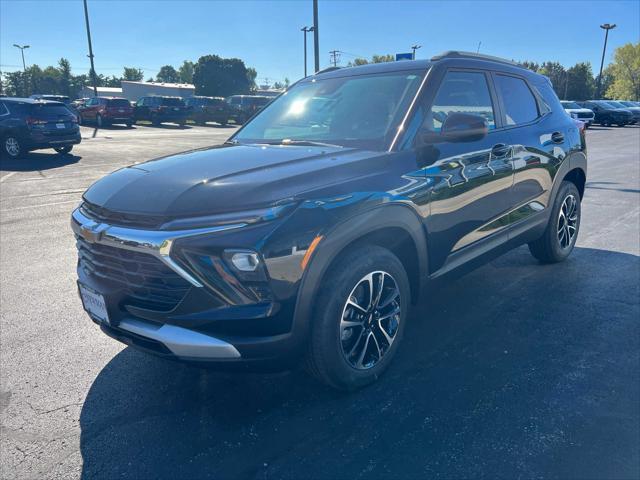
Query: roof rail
x=328, y=69
x=476, y=56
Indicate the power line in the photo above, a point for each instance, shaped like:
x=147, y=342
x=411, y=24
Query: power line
x=335, y=57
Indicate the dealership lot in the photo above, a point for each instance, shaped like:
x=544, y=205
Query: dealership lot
x=515, y=369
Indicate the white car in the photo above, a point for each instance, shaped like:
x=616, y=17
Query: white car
x=585, y=115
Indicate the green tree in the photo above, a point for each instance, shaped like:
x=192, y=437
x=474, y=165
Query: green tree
x=556, y=74
x=132, y=74
x=64, y=67
x=579, y=82
x=533, y=66
x=626, y=73
x=216, y=76
x=186, y=72
x=374, y=59
x=168, y=74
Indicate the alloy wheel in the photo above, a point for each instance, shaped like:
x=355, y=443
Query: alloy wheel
x=568, y=221
x=370, y=320
x=12, y=147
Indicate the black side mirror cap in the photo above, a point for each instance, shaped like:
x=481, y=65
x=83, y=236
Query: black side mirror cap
x=457, y=127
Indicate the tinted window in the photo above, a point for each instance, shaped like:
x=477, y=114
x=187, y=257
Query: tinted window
x=3, y=109
x=570, y=105
x=519, y=103
x=49, y=109
x=234, y=100
x=460, y=92
x=118, y=102
x=172, y=102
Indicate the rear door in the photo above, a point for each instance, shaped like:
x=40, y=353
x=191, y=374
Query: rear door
x=471, y=181
x=52, y=119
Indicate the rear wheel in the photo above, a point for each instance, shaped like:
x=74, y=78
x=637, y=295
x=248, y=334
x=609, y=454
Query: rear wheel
x=12, y=147
x=155, y=121
x=561, y=233
x=359, y=319
x=63, y=150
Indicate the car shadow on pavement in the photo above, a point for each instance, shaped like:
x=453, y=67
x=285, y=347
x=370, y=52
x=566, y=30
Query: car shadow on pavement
x=40, y=160
x=516, y=369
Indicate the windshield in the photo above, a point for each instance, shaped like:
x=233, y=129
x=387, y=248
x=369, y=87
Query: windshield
x=615, y=104
x=118, y=102
x=361, y=111
x=570, y=105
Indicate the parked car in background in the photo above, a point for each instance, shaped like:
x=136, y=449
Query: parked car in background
x=578, y=112
x=606, y=114
x=632, y=108
x=54, y=98
x=243, y=107
x=157, y=110
x=310, y=249
x=104, y=111
x=209, y=109
x=28, y=124
x=79, y=102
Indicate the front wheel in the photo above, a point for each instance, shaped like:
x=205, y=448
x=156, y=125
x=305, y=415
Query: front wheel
x=561, y=233
x=63, y=150
x=359, y=318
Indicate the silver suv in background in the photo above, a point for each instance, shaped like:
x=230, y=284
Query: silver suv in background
x=585, y=115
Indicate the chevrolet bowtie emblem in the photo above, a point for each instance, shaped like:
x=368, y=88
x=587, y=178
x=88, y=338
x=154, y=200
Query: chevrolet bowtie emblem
x=92, y=233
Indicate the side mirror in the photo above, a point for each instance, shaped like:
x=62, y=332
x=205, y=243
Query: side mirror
x=464, y=127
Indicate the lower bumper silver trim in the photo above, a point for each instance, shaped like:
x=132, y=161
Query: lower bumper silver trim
x=181, y=341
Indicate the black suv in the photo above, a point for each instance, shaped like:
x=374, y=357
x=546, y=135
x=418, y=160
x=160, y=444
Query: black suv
x=243, y=107
x=607, y=114
x=309, y=233
x=27, y=124
x=209, y=109
x=159, y=110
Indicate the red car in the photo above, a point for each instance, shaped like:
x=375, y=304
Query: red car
x=105, y=111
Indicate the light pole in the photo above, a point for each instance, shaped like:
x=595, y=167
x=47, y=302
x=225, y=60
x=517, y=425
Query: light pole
x=93, y=70
x=22, y=48
x=316, y=37
x=606, y=27
x=414, y=48
x=304, y=31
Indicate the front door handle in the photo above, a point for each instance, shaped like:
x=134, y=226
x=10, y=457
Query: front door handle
x=500, y=150
x=557, y=137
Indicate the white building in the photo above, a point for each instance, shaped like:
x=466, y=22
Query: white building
x=134, y=90
x=87, y=91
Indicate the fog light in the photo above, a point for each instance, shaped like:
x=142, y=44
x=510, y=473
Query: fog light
x=245, y=261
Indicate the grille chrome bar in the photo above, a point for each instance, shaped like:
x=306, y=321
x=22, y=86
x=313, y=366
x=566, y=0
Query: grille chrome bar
x=153, y=242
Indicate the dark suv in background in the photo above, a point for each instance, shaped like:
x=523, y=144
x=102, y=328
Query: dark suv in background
x=305, y=238
x=243, y=107
x=104, y=111
x=159, y=110
x=27, y=124
x=607, y=114
x=209, y=109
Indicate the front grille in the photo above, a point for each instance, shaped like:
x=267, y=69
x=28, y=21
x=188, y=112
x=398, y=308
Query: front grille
x=144, y=279
x=102, y=215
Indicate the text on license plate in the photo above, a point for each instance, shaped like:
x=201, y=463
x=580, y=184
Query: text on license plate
x=60, y=125
x=94, y=303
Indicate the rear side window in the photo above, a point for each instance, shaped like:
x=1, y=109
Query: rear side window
x=3, y=109
x=172, y=102
x=118, y=102
x=520, y=105
x=461, y=92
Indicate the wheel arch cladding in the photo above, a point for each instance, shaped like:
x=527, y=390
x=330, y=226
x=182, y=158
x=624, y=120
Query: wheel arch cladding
x=396, y=227
x=578, y=178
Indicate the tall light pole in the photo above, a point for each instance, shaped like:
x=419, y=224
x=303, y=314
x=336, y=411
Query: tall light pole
x=93, y=70
x=22, y=48
x=304, y=31
x=316, y=39
x=415, y=47
x=606, y=27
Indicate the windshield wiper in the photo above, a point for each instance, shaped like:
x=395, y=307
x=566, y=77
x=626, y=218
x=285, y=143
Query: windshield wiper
x=309, y=143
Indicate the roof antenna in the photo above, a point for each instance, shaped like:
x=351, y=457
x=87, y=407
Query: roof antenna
x=478, y=49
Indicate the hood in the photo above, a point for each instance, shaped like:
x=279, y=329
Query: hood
x=579, y=110
x=231, y=178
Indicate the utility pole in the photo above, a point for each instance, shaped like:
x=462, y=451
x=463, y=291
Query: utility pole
x=24, y=65
x=566, y=84
x=415, y=47
x=316, y=40
x=92, y=74
x=606, y=27
x=335, y=57
x=304, y=31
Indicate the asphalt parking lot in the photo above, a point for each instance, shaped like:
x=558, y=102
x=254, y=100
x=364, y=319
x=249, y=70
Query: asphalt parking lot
x=515, y=370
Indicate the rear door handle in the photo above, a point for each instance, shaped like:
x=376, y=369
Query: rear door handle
x=557, y=137
x=500, y=150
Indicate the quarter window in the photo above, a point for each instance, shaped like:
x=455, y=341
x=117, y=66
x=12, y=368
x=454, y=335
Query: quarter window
x=460, y=92
x=3, y=109
x=520, y=105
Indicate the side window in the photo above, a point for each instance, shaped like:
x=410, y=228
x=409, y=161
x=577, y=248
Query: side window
x=460, y=92
x=3, y=109
x=520, y=105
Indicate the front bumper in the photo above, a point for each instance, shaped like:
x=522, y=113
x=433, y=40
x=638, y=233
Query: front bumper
x=201, y=327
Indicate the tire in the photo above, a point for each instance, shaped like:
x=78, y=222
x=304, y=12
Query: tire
x=12, y=147
x=606, y=123
x=129, y=124
x=559, y=238
x=63, y=150
x=79, y=119
x=621, y=125
x=334, y=357
x=155, y=121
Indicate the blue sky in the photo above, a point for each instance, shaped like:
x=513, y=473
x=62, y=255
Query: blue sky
x=266, y=34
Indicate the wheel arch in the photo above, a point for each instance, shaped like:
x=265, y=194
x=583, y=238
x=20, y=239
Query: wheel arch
x=396, y=227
